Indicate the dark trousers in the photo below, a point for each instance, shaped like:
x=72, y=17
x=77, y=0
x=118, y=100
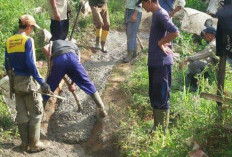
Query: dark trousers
x=159, y=86
x=59, y=29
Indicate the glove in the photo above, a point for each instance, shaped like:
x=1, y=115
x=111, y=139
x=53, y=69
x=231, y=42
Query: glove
x=45, y=88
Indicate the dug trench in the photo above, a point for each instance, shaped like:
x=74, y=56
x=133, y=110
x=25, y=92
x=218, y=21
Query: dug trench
x=86, y=130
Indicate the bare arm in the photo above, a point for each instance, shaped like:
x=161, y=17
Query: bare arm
x=178, y=8
x=54, y=8
x=165, y=42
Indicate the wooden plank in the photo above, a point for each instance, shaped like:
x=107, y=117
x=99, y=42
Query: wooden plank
x=216, y=98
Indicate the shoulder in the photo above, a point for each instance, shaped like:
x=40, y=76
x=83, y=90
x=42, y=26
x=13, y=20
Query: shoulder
x=162, y=14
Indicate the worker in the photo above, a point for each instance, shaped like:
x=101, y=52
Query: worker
x=65, y=60
x=59, y=11
x=20, y=58
x=101, y=20
x=200, y=60
x=160, y=61
x=133, y=17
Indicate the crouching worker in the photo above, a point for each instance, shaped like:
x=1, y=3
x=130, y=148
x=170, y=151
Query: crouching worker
x=24, y=78
x=199, y=61
x=64, y=55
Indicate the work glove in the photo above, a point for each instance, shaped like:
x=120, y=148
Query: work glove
x=45, y=88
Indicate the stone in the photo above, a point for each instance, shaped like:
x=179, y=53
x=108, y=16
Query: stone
x=5, y=91
x=213, y=6
x=192, y=21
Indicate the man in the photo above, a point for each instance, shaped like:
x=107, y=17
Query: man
x=65, y=61
x=133, y=17
x=172, y=6
x=58, y=11
x=160, y=61
x=200, y=60
x=101, y=20
x=20, y=58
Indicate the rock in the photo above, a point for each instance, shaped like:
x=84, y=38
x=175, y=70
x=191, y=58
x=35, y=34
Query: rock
x=213, y=7
x=38, y=10
x=192, y=21
x=5, y=91
x=44, y=37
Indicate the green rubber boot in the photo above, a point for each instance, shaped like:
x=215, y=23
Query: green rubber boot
x=23, y=132
x=35, y=145
x=161, y=117
x=97, y=99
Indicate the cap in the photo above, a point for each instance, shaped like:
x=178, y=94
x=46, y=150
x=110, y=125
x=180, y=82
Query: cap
x=28, y=20
x=210, y=30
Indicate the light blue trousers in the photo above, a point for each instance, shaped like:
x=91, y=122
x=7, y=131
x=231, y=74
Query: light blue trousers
x=132, y=29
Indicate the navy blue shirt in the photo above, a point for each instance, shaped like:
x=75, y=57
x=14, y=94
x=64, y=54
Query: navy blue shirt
x=167, y=5
x=161, y=25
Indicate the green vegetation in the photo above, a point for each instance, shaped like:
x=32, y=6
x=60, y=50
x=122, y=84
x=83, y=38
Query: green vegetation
x=197, y=4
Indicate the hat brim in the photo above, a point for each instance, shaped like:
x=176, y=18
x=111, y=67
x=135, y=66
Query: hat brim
x=37, y=26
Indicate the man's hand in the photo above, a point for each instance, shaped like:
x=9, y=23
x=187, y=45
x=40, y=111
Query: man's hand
x=72, y=88
x=134, y=18
x=165, y=48
x=181, y=65
x=171, y=14
x=57, y=16
x=45, y=88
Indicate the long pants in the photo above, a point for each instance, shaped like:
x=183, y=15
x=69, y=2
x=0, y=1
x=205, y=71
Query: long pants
x=101, y=17
x=132, y=29
x=159, y=86
x=28, y=103
x=69, y=64
x=59, y=29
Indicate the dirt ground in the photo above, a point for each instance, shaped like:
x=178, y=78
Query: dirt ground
x=84, y=134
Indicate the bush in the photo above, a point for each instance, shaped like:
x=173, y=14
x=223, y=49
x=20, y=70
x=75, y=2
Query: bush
x=197, y=4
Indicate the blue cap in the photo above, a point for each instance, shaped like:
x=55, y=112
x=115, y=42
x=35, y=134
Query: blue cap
x=210, y=30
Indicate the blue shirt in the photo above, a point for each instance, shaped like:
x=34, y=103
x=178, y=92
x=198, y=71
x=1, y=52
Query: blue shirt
x=20, y=52
x=167, y=5
x=161, y=25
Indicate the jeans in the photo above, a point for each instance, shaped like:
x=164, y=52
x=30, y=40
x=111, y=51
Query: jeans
x=132, y=29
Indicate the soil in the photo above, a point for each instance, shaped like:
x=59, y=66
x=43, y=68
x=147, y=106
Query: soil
x=85, y=134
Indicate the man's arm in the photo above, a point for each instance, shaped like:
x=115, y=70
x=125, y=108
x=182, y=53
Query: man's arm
x=179, y=4
x=30, y=62
x=164, y=43
x=207, y=52
x=178, y=8
x=55, y=11
x=172, y=30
